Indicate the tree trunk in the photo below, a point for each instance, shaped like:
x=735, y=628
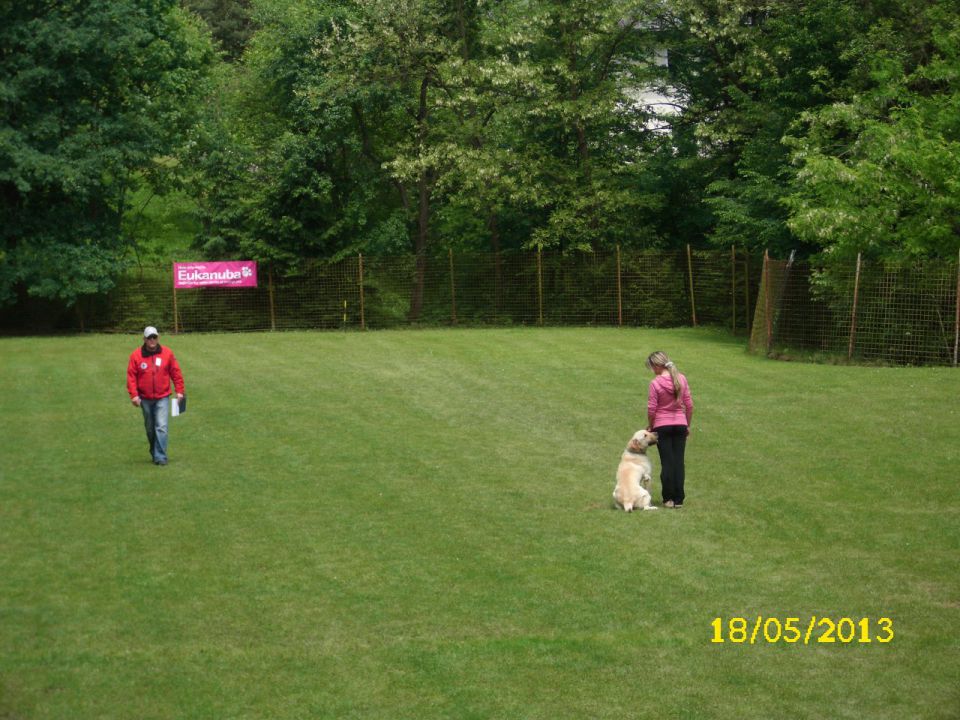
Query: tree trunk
x=424, y=185
x=420, y=246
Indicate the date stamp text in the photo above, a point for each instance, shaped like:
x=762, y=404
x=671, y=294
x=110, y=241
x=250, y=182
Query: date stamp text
x=792, y=630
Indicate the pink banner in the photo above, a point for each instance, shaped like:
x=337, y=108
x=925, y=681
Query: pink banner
x=240, y=273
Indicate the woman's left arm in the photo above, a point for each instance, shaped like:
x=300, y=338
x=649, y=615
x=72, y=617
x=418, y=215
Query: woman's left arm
x=651, y=406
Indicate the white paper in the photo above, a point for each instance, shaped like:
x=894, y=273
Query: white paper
x=174, y=406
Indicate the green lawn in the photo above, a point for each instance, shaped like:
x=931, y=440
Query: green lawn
x=418, y=524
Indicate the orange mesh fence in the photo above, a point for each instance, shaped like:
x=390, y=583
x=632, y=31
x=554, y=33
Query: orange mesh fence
x=901, y=314
x=641, y=288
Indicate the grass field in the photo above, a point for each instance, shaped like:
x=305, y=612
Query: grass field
x=419, y=525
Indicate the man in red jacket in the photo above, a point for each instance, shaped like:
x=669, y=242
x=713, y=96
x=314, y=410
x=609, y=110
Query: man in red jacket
x=149, y=372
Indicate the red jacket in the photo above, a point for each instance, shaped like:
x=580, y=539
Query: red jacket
x=149, y=376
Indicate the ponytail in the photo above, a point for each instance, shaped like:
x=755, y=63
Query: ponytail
x=660, y=359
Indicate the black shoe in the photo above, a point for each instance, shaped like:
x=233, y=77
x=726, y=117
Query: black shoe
x=161, y=462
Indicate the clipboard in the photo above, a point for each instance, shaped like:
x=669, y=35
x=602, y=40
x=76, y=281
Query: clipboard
x=178, y=407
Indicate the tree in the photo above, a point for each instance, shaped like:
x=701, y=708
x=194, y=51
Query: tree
x=93, y=95
x=412, y=56
x=567, y=72
x=392, y=125
x=286, y=172
x=877, y=170
x=353, y=120
x=747, y=70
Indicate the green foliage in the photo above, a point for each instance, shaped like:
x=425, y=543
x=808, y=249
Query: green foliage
x=282, y=175
x=385, y=126
x=750, y=69
x=162, y=227
x=229, y=21
x=92, y=95
x=576, y=131
x=511, y=124
x=397, y=66
x=878, y=170
x=466, y=122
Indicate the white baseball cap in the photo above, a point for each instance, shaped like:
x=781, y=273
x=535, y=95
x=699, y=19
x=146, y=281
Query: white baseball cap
x=149, y=330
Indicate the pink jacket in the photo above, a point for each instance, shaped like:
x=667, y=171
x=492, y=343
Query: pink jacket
x=663, y=406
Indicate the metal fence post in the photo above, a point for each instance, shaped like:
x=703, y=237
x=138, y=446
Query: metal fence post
x=273, y=311
x=956, y=318
x=619, y=292
x=173, y=280
x=853, y=314
x=733, y=286
x=540, y=284
x=363, y=323
x=767, y=310
x=693, y=302
x=453, y=291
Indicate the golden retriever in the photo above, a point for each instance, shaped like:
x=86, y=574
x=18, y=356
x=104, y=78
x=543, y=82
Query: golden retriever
x=634, y=473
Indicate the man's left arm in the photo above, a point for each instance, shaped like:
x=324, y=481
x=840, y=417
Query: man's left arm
x=177, y=377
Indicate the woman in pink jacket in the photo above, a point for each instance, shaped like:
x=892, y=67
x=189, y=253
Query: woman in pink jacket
x=669, y=414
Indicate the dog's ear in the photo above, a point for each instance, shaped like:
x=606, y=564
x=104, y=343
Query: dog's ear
x=634, y=445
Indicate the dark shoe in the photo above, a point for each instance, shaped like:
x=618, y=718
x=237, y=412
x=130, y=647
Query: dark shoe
x=156, y=462
x=161, y=462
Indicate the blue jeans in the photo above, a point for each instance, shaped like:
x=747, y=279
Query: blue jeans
x=155, y=414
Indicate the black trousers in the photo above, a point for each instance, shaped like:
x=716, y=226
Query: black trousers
x=671, y=444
